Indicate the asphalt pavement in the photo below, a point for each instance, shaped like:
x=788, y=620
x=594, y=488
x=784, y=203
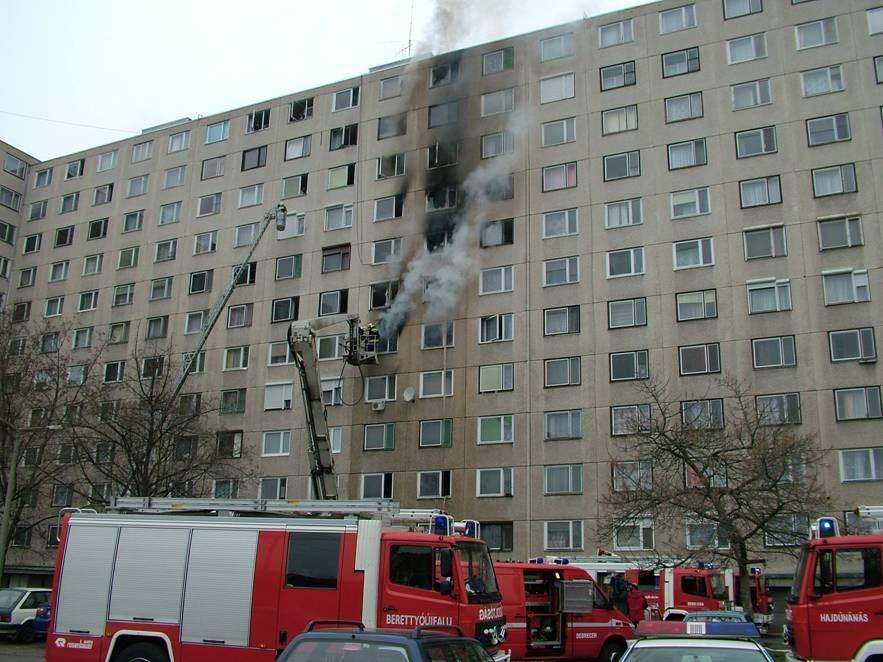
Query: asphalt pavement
x=12, y=652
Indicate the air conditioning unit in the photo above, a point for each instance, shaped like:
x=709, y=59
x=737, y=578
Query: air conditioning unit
x=378, y=406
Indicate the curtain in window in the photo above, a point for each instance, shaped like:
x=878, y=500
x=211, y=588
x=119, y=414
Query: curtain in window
x=852, y=404
x=856, y=465
x=838, y=288
x=681, y=156
x=762, y=299
x=754, y=193
x=827, y=181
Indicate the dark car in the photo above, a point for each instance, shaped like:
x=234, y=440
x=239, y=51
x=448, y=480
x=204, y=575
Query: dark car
x=41, y=620
x=352, y=642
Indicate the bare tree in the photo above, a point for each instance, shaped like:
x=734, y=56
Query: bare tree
x=134, y=437
x=729, y=471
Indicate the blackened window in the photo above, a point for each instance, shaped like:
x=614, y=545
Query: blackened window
x=313, y=560
x=410, y=565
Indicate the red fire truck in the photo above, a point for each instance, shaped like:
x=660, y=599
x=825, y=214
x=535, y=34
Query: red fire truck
x=761, y=602
x=670, y=592
x=194, y=588
x=558, y=612
x=835, y=608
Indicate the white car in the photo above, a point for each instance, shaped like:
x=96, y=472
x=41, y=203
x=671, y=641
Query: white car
x=18, y=607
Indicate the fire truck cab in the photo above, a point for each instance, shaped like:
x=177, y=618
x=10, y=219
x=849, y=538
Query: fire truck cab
x=558, y=612
x=761, y=603
x=194, y=588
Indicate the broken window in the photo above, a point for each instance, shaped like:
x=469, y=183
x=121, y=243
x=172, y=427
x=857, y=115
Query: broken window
x=382, y=294
x=392, y=125
x=440, y=232
x=444, y=74
x=390, y=166
x=300, y=110
x=443, y=197
x=257, y=120
x=441, y=154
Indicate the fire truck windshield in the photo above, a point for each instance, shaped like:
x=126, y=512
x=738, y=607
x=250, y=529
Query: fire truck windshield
x=718, y=586
x=797, y=584
x=478, y=572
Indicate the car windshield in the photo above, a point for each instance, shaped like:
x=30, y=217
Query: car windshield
x=478, y=572
x=9, y=597
x=693, y=653
x=345, y=651
x=718, y=586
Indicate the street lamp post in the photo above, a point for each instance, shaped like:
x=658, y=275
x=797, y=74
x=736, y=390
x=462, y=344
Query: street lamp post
x=11, y=484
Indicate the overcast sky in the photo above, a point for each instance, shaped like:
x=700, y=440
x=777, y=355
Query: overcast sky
x=119, y=66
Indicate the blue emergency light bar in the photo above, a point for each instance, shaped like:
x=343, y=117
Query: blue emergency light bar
x=442, y=525
x=552, y=559
x=696, y=629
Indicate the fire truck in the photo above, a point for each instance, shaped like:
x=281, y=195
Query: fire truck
x=835, y=608
x=761, y=602
x=558, y=612
x=671, y=592
x=158, y=582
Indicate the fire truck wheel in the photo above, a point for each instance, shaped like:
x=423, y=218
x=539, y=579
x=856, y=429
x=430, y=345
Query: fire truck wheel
x=25, y=633
x=612, y=651
x=142, y=652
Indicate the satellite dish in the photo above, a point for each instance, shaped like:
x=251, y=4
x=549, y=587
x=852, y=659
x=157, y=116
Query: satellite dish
x=408, y=395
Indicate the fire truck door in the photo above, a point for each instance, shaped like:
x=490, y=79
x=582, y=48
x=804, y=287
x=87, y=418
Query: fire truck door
x=421, y=587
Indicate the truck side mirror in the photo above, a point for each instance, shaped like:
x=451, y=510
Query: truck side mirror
x=445, y=587
x=446, y=562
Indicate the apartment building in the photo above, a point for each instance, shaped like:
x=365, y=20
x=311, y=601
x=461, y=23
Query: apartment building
x=688, y=189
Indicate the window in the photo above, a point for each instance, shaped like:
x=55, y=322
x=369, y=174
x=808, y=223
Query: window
x=563, y=479
x=495, y=482
x=745, y=49
x=284, y=310
x=64, y=236
x=443, y=113
x=236, y=358
x=343, y=99
x=123, y=295
x=32, y=243
x=495, y=429
x=433, y=484
x=834, y=180
x=380, y=437
x=559, y=321
x=157, y=327
x=382, y=294
x=178, y=142
x=142, y=151
x=436, y=383
x=613, y=34
x=629, y=419
x=201, y=281
x=840, y=233
x=380, y=388
x=758, y=192
x=277, y=396
x=62, y=496
x=846, y=287
x=102, y=194
x=170, y=213
x=209, y=204
x=97, y=229
x=343, y=136
x=239, y=315
x=494, y=280
x=14, y=166
x=629, y=365
x=553, y=48
x=295, y=226
x=496, y=377
x=619, y=166
x=496, y=144
x=37, y=211
x=390, y=87
x=288, y=267
x=392, y=165
x=436, y=433
x=824, y=80
x=332, y=392
x=441, y=154
x=626, y=262
x=254, y=158
x=444, y=74
x=501, y=101
x=118, y=333
x=295, y=186
x=787, y=529
x=774, y=352
x=633, y=475
x=27, y=277
x=152, y=367
x=166, y=250
x=560, y=425
x=336, y=258
x=560, y=223
x=43, y=178
x=699, y=359
x=217, y=132
x=755, y=142
x=21, y=311
x=281, y=353
x=128, y=258
x=562, y=372
x=54, y=307
x=497, y=61
x=861, y=464
x=618, y=120
x=681, y=62
x=229, y=442
x=826, y=130
x=816, y=33
x=48, y=344
x=298, y=148
x=58, y=271
x=385, y=251
x=556, y=88
x=737, y=8
x=341, y=176
x=858, y=403
x=679, y=18
x=82, y=338
x=277, y=488
x=300, y=110
x=561, y=271
x=257, y=120
x=706, y=535
x=687, y=154
x=114, y=371
x=391, y=125
x=193, y=322
x=702, y=414
x=439, y=335
x=692, y=202
x=333, y=303
x=751, y=94
x=626, y=312
x=75, y=169
x=377, y=486
x=249, y=196
x=497, y=233
x=764, y=242
x=683, y=107
x=563, y=534
x=778, y=409
x=227, y=488
x=558, y=132
x=88, y=301
x=69, y=202
x=133, y=221
x=875, y=20
x=617, y=75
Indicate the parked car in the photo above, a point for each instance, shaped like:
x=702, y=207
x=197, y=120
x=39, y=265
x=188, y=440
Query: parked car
x=18, y=608
x=41, y=620
x=710, y=641
x=352, y=642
